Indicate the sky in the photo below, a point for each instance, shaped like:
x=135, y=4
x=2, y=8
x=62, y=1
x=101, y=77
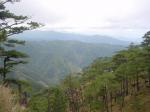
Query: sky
x=123, y=19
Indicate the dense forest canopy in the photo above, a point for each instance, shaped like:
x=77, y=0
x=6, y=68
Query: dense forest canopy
x=119, y=83
x=103, y=86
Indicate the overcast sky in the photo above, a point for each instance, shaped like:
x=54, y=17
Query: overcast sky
x=120, y=18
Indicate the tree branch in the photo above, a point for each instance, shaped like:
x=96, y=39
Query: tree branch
x=1, y=29
x=2, y=3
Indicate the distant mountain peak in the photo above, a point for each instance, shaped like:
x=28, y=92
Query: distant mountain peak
x=52, y=35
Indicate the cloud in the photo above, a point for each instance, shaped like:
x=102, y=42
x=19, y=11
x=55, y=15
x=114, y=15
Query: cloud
x=37, y=10
x=109, y=16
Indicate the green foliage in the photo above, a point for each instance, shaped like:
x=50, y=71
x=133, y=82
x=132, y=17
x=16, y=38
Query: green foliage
x=16, y=24
x=55, y=59
x=11, y=24
x=146, y=41
x=98, y=67
x=37, y=104
x=104, y=83
x=52, y=99
x=101, y=86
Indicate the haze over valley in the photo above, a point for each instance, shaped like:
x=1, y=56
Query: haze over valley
x=54, y=55
x=74, y=55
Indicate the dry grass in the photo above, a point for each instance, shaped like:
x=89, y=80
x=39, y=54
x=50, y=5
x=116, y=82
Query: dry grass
x=7, y=100
x=139, y=103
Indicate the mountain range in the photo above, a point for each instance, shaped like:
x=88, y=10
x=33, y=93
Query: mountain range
x=52, y=35
x=54, y=55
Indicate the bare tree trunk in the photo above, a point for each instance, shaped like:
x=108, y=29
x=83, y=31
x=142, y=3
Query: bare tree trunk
x=20, y=91
x=4, y=72
x=137, y=82
x=111, y=101
x=149, y=76
x=106, y=99
x=122, y=94
x=49, y=107
x=127, y=86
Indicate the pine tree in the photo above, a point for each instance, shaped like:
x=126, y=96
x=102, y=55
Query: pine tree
x=11, y=24
x=146, y=53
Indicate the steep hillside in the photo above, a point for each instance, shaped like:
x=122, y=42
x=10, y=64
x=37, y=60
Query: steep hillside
x=50, y=61
x=138, y=103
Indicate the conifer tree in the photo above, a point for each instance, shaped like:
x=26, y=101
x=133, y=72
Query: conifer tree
x=11, y=24
x=146, y=53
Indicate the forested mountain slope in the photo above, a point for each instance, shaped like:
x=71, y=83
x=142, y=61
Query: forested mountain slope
x=50, y=61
